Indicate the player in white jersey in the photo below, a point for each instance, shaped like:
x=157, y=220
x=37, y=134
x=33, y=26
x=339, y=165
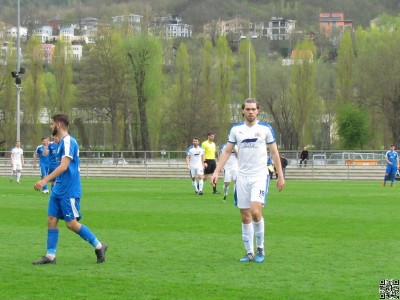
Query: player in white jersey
x=230, y=170
x=252, y=138
x=195, y=165
x=17, y=161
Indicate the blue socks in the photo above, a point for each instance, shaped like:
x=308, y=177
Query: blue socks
x=52, y=240
x=87, y=235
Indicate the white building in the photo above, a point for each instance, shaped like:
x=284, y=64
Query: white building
x=23, y=32
x=44, y=33
x=76, y=51
x=277, y=28
x=67, y=33
x=132, y=21
x=172, y=27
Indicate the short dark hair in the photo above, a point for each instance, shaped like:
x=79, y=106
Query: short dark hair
x=250, y=100
x=63, y=118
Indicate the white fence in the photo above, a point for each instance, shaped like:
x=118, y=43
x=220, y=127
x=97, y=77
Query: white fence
x=176, y=168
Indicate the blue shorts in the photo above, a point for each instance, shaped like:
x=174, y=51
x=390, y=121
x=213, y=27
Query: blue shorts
x=65, y=209
x=391, y=170
x=44, y=171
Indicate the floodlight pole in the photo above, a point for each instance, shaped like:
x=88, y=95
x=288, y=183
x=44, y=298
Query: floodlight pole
x=249, y=69
x=18, y=69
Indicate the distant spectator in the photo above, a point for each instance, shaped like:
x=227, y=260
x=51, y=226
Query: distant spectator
x=284, y=163
x=304, y=157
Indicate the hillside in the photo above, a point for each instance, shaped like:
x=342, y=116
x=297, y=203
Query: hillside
x=198, y=12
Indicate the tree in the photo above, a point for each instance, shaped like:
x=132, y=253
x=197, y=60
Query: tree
x=325, y=75
x=352, y=127
x=345, y=69
x=145, y=56
x=63, y=74
x=273, y=88
x=247, y=70
x=7, y=100
x=203, y=107
x=223, y=84
x=181, y=116
x=35, y=90
x=106, y=76
x=378, y=81
x=302, y=90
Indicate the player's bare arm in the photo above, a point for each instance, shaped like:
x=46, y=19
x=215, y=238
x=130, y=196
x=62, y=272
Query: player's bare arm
x=57, y=172
x=221, y=162
x=273, y=149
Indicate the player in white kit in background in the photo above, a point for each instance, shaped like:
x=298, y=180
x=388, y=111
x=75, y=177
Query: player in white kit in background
x=195, y=165
x=17, y=161
x=230, y=170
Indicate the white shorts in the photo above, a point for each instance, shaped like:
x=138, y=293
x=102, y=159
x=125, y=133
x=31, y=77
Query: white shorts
x=251, y=189
x=230, y=175
x=194, y=172
x=16, y=166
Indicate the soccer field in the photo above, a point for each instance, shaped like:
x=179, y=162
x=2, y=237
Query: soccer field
x=324, y=240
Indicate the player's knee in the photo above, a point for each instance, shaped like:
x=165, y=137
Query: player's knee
x=73, y=225
x=52, y=222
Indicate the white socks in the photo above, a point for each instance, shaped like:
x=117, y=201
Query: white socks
x=259, y=233
x=201, y=183
x=249, y=231
x=248, y=237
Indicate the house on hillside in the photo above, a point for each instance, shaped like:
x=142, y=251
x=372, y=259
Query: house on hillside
x=333, y=23
x=235, y=26
x=132, y=21
x=13, y=31
x=298, y=56
x=44, y=33
x=48, y=53
x=171, y=27
x=277, y=29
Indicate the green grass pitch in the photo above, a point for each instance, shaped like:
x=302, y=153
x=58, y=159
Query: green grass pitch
x=324, y=240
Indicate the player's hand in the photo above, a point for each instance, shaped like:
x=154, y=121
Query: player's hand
x=214, y=179
x=280, y=183
x=39, y=185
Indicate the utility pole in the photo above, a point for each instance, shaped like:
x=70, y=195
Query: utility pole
x=249, y=68
x=15, y=74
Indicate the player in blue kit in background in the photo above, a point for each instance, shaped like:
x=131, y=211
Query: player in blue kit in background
x=392, y=159
x=52, y=150
x=65, y=197
x=41, y=152
x=252, y=138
